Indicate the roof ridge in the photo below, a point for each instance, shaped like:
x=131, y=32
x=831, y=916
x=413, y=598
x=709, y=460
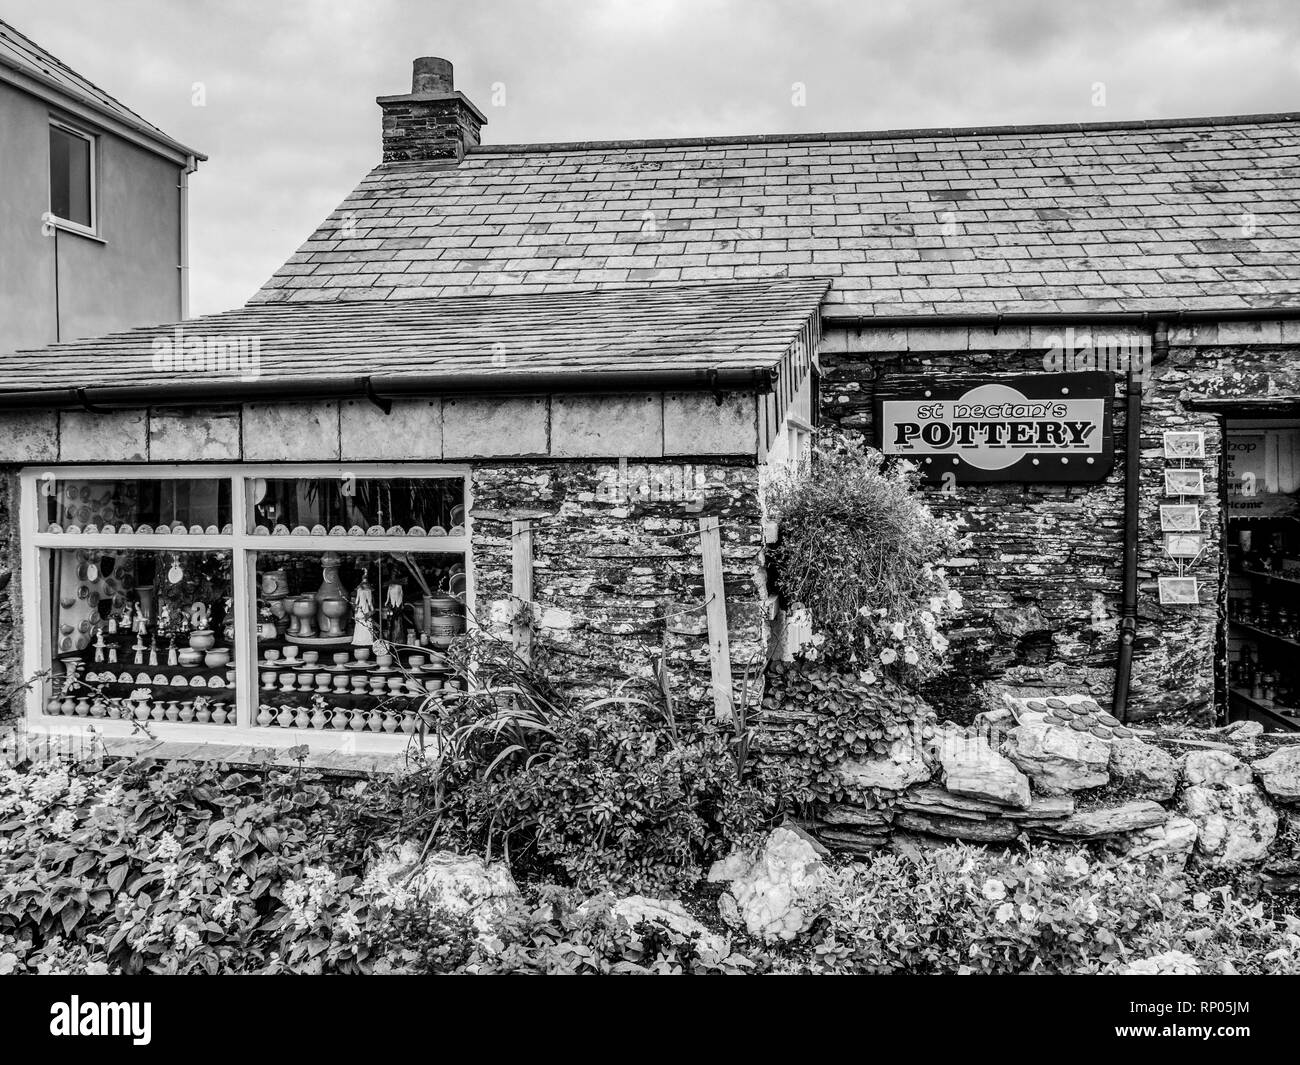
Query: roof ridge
x=949, y=132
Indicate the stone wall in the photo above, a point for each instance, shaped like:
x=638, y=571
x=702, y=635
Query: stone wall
x=1043, y=579
x=1223, y=798
x=617, y=577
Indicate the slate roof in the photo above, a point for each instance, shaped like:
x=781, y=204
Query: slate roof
x=577, y=340
x=21, y=53
x=1137, y=216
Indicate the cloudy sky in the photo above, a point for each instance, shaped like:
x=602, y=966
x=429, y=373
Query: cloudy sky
x=290, y=123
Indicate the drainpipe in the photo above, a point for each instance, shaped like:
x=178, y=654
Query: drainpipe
x=1132, y=483
x=191, y=165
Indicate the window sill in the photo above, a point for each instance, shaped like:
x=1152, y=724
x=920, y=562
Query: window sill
x=76, y=231
x=337, y=763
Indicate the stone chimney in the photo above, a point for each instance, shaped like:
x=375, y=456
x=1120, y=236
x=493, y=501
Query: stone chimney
x=431, y=122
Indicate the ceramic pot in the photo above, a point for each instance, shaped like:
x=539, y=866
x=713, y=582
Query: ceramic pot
x=302, y=718
x=288, y=682
x=272, y=654
x=378, y=684
x=218, y=713
x=397, y=683
x=318, y=719
x=359, y=682
x=408, y=722
x=269, y=677
x=173, y=711
x=358, y=722
x=264, y=715
x=202, y=639
x=323, y=681
x=217, y=658
x=332, y=613
x=383, y=661
x=187, y=711
x=362, y=654
x=203, y=714
x=390, y=722
x=341, y=682
x=342, y=658
x=338, y=718
x=307, y=681
x=290, y=653
x=285, y=717
x=156, y=712
x=189, y=656
x=310, y=658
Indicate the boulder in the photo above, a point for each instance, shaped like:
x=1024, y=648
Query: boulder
x=637, y=908
x=1142, y=770
x=1103, y=821
x=454, y=882
x=771, y=893
x=1212, y=768
x=1235, y=824
x=1243, y=730
x=853, y=840
x=973, y=769
x=1173, y=840
x=1280, y=773
x=1058, y=759
x=904, y=766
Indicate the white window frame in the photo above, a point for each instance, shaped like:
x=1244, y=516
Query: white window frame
x=35, y=547
x=67, y=223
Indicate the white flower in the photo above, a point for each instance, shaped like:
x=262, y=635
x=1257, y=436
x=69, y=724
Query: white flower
x=1005, y=912
x=63, y=823
x=910, y=656
x=888, y=655
x=954, y=600
x=225, y=858
x=224, y=911
x=169, y=847
x=347, y=924
x=864, y=611
x=185, y=938
x=994, y=890
x=1076, y=865
x=1201, y=901
x=867, y=677
x=1089, y=913
x=1028, y=913
x=938, y=643
x=936, y=604
x=898, y=629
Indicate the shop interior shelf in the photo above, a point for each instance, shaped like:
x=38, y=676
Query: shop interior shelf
x=1286, y=717
x=1247, y=571
x=1255, y=630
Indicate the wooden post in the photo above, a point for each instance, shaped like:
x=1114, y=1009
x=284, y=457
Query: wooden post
x=715, y=611
x=521, y=535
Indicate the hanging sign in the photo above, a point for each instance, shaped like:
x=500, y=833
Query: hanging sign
x=1038, y=427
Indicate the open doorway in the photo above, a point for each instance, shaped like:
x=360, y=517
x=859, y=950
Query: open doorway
x=1261, y=627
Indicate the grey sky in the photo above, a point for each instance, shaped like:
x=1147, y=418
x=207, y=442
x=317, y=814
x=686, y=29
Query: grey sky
x=290, y=123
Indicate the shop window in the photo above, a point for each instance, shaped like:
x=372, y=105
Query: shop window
x=72, y=177
x=161, y=605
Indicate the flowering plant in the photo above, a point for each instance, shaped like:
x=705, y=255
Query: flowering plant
x=862, y=554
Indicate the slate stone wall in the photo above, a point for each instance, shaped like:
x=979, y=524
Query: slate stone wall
x=617, y=575
x=1043, y=578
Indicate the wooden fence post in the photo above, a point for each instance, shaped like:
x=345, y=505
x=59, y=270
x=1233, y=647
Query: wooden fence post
x=715, y=612
x=521, y=536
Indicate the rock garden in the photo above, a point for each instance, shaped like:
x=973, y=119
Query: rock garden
x=834, y=825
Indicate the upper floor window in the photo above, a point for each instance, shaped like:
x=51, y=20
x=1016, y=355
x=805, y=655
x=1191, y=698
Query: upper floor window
x=72, y=177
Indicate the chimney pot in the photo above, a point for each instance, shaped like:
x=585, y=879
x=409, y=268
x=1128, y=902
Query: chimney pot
x=431, y=74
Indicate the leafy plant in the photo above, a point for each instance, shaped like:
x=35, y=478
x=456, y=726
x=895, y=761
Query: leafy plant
x=614, y=790
x=861, y=553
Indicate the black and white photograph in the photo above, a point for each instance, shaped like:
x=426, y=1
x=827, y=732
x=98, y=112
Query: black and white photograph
x=462, y=514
